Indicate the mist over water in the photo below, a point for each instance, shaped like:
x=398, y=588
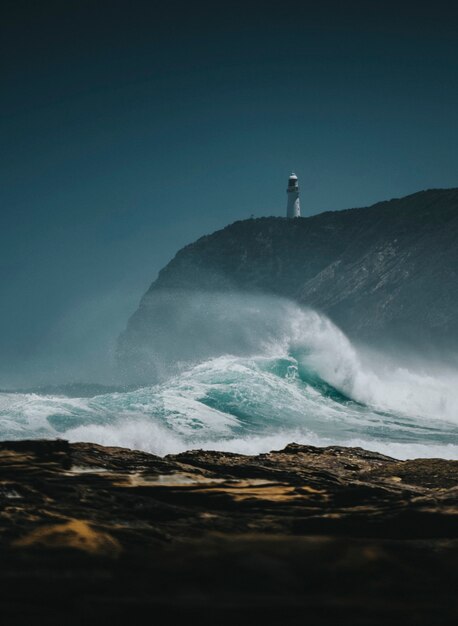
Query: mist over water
x=249, y=373
x=79, y=346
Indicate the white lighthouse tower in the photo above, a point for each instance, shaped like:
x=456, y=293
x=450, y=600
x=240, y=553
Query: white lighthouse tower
x=293, y=208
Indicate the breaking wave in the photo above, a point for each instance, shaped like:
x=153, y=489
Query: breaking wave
x=286, y=374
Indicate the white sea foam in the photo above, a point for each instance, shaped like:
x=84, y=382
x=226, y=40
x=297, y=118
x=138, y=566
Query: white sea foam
x=149, y=437
x=288, y=375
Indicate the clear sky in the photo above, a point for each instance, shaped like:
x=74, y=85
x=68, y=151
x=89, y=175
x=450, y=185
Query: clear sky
x=130, y=127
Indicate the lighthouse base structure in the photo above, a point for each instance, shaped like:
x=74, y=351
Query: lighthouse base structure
x=293, y=208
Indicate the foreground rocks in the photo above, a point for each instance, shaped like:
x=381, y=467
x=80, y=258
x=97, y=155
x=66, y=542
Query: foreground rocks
x=306, y=535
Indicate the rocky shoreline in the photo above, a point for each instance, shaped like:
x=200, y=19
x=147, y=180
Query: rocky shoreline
x=305, y=535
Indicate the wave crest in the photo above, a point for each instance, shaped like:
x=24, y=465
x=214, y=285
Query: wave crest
x=259, y=373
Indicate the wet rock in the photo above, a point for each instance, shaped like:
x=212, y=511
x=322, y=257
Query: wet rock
x=99, y=535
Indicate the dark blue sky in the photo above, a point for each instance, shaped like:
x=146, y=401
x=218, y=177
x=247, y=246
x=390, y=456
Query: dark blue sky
x=130, y=128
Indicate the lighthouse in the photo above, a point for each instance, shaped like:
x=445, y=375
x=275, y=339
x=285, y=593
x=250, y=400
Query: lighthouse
x=293, y=208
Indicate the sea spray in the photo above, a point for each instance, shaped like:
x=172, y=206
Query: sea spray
x=249, y=373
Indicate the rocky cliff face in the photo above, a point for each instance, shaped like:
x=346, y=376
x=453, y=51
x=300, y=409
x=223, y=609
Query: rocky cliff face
x=387, y=272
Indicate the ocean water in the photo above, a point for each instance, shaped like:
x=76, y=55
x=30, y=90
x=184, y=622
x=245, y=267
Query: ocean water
x=298, y=378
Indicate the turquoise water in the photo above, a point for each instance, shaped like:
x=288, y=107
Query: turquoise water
x=241, y=404
x=250, y=374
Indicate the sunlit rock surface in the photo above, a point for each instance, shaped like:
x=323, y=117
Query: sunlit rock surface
x=304, y=535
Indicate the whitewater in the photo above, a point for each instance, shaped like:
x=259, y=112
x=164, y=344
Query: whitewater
x=249, y=374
